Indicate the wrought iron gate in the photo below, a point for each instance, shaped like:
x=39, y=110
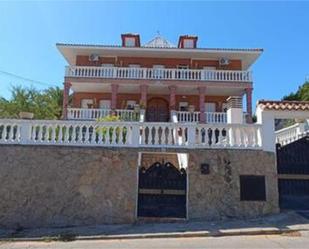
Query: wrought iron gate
x=162, y=191
x=293, y=174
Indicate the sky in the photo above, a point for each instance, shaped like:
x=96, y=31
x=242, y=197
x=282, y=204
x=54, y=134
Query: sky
x=30, y=30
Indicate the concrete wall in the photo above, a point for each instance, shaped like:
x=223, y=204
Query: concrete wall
x=61, y=185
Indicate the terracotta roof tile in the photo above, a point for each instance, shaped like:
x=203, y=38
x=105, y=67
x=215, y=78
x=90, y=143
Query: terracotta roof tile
x=284, y=105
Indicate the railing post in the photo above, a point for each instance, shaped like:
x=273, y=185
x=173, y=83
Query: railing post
x=25, y=132
x=191, y=135
x=135, y=135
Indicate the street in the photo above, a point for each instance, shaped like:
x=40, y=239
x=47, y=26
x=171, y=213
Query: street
x=271, y=241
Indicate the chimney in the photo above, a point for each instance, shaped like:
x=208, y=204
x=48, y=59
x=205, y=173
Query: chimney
x=187, y=41
x=130, y=40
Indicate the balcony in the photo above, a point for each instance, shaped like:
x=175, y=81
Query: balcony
x=129, y=134
x=158, y=74
x=131, y=115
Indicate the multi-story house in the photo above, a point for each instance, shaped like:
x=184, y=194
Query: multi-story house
x=158, y=80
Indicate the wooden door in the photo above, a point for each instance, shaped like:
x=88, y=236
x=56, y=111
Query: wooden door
x=157, y=110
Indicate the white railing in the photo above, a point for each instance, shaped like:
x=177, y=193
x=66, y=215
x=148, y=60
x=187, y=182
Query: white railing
x=158, y=73
x=216, y=117
x=194, y=117
x=129, y=134
x=92, y=114
x=290, y=134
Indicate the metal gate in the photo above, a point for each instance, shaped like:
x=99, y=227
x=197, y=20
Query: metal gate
x=162, y=191
x=293, y=174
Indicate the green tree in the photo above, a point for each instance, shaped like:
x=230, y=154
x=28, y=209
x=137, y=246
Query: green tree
x=46, y=104
x=302, y=94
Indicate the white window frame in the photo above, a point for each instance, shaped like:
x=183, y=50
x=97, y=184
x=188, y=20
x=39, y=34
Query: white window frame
x=210, y=104
x=130, y=104
x=84, y=103
x=183, y=104
x=106, y=105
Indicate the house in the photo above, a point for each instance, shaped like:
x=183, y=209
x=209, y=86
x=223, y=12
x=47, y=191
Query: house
x=166, y=83
x=181, y=147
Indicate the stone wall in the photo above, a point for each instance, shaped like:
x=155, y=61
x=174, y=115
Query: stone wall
x=217, y=195
x=43, y=186
x=61, y=186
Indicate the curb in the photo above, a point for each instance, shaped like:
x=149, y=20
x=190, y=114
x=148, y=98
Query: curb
x=162, y=235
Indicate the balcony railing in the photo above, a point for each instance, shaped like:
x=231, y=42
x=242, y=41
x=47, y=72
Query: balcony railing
x=210, y=117
x=291, y=133
x=93, y=114
x=158, y=73
x=129, y=134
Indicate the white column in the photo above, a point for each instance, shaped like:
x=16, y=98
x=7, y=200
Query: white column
x=267, y=135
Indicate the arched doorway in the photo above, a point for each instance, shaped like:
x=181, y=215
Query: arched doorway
x=157, y=110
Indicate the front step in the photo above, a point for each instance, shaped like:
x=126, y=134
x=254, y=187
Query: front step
x=144, y=220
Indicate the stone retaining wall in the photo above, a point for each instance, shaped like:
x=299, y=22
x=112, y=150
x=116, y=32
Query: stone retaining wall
x=61, y=186
x=43, y=186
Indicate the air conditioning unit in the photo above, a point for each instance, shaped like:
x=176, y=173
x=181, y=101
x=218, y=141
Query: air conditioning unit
x=224, y=61
x=94, y=57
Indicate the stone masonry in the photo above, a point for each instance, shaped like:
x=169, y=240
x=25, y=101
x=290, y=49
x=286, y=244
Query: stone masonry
x=52, y=186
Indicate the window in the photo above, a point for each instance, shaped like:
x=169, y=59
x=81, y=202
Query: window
x=105, y=104
x=130, y=42
x=158, y=71
x=209, y=68
x=131, y=104
x=210, y=107
x=107, y=65
x=183, y=106
x=252, y=188
x=183, y=67
x=87, y=103
x=188, y=43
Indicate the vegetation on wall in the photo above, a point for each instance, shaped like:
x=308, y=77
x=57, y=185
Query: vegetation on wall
x=46, y=104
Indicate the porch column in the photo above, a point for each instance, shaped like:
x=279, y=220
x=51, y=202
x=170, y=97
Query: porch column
x=172, y=98
x=249, y=104
x=143, y=101
x=65, y=103
x=202, y=91
x=114, y=96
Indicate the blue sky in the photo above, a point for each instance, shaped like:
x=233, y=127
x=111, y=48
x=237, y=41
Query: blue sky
x=30, y=30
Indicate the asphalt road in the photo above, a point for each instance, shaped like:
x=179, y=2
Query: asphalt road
x=297, y=241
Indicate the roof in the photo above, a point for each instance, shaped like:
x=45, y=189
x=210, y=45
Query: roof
x=159, y=48
x=284, y=105
x=159, y=42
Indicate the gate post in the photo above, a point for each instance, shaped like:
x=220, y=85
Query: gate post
x=267, y=135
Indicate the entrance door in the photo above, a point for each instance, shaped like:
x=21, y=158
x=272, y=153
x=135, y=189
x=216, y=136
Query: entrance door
x=162, y=191
x=157, y=110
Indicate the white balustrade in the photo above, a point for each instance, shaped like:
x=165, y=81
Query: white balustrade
x=290, y=134
x=188, y=117
x=158, y=73
x=194, y=117
x=92, y=114
x=129, y=134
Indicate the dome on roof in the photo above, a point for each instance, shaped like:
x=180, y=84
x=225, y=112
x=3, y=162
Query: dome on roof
x=159, y=42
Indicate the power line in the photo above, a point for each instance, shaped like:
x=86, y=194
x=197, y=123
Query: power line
x=26, y=79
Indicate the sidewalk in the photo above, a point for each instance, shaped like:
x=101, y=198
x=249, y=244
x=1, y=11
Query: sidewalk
x=286, y=222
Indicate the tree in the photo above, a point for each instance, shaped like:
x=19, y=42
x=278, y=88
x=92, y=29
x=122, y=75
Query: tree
x=302, y=94
x=46, y=104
